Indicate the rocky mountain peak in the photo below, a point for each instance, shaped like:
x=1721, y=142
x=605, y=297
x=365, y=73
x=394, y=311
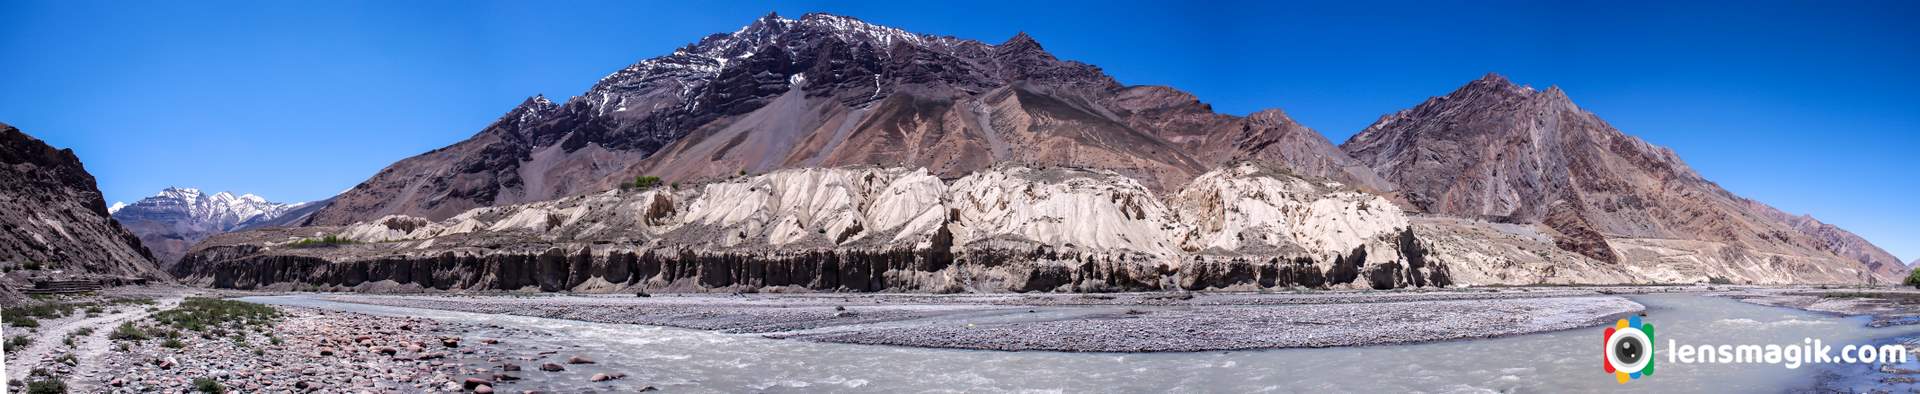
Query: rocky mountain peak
x=171, y=221
x=1270, y=117
x=1020, y=41
x=1494, y=149
x=1490, y=89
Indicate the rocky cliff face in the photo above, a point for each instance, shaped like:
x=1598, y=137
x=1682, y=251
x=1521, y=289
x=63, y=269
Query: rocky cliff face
x=832, y=91
x=54, y=218
x=170, y=222
x=1508, y=153
x=1841, y=242
x=1007, y=228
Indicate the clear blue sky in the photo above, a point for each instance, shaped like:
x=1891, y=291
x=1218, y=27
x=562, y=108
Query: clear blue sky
x=1806, y=106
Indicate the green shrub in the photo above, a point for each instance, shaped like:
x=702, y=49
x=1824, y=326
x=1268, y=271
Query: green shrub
x=47, y=386
x=642, y=182
x=18, y=342
x=1913, y=278
x=22, y=321
x=208, y=385
x=32, y=266
x=172, y=344
x=127, y=332
x=329, y=240
x=199, y=314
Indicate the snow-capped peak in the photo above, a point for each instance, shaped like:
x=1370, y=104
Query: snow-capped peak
x=184, y=193
x=116, y=207
x=221, y=210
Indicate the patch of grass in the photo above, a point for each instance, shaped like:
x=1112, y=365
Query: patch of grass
x=28, y=316
x=642, y=182
x=47, y=310
x=199, y=314
x=209, y=386
x=21, y=321
x=330, y=240
x=128, y=332
x=18, y=342
x=171, y=343
x=47, y=386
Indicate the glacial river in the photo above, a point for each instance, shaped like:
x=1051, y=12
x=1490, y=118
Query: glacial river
x=681, y=360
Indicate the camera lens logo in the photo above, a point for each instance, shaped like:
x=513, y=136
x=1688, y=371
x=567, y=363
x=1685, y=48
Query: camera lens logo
x=1629, y=349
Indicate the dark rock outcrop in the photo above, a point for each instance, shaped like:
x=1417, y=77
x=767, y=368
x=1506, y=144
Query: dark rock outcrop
x=53, y=217
x=620, y=271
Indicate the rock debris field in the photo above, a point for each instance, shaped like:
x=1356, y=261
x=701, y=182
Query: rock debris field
x=1078, y=323
x=204, y=345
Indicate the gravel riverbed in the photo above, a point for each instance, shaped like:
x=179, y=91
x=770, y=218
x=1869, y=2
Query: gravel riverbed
x=1135, y=322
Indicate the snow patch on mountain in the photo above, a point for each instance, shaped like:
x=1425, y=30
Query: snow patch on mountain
x=172, y=221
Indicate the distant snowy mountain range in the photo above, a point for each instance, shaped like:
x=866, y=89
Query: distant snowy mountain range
x=171, y=222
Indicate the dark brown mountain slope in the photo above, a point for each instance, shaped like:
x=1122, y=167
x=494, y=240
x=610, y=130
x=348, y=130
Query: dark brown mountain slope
x=53, y=216
x=1497, y=150
x=824, y=91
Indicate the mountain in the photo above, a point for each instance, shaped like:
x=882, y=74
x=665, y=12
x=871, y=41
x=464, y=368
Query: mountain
x=172, y=221
x=1840, y=241
x=826, y=153
x=1508, y=153
x=828, y=91
x=54, y=217
x=292, y=215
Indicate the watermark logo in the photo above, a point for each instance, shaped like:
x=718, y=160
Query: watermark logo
x=1629, y=349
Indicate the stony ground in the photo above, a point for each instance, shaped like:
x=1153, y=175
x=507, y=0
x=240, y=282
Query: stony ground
x=1130, y=322
x=72, y=345
x=300, y=350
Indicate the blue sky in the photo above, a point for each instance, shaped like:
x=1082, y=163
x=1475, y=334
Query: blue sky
x=1803, y=105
